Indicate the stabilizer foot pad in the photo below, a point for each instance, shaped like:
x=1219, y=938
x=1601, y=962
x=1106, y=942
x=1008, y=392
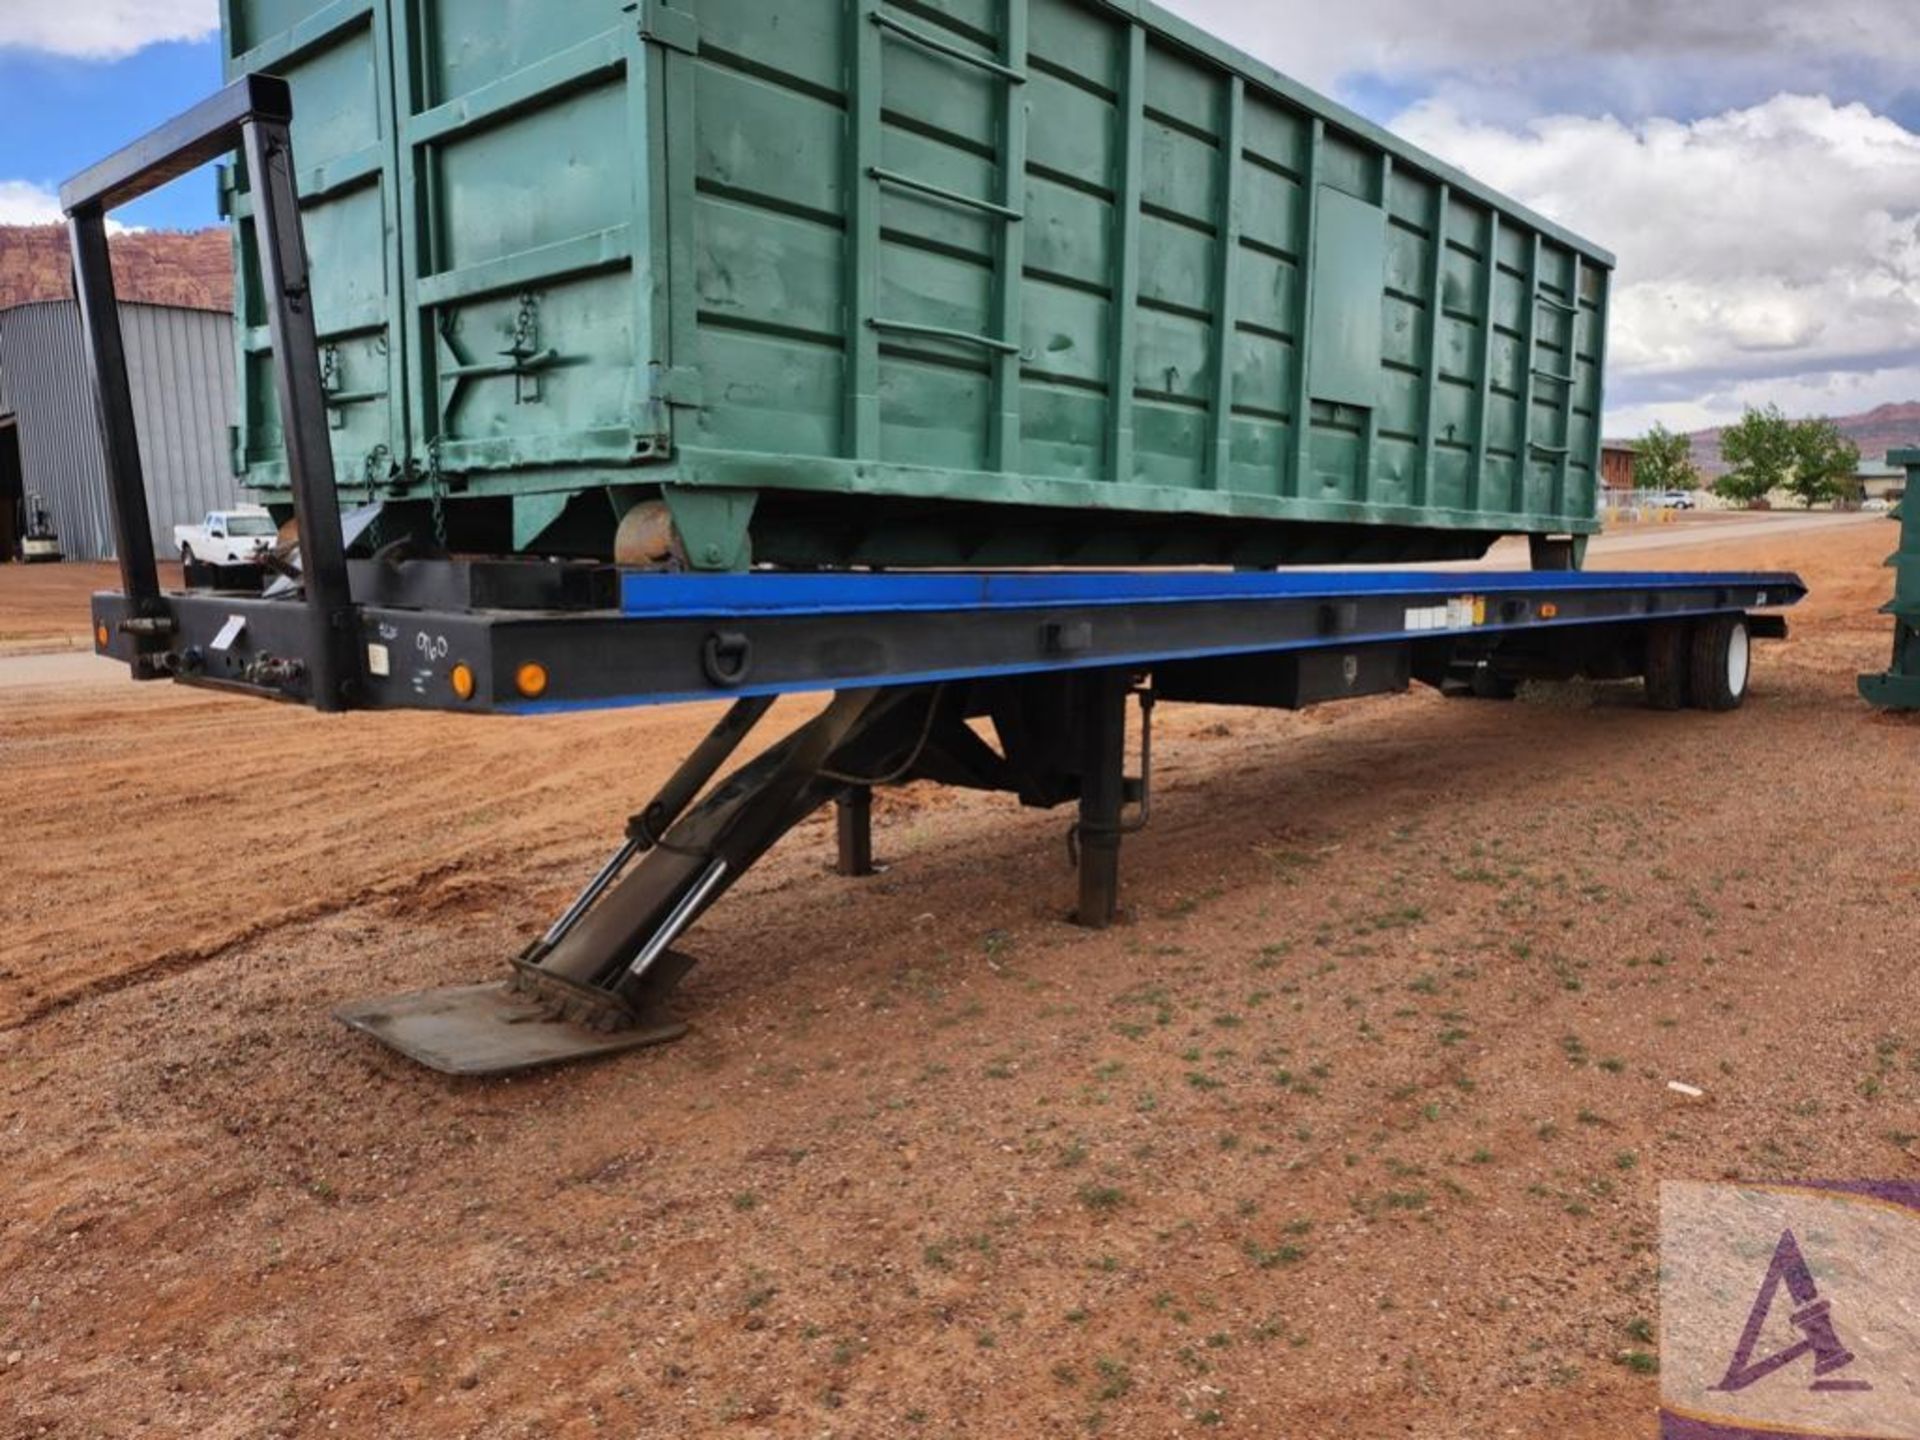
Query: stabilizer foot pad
x=488, y=1030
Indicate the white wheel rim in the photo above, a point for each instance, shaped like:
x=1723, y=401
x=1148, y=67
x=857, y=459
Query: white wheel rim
x=1739, y=658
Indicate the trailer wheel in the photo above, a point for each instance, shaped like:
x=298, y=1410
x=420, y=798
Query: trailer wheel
x=1667, y=665
x=1489, y=684
x=1722, y=660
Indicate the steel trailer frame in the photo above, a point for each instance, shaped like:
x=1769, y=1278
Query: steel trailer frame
x=916, y=663
x=254, y=116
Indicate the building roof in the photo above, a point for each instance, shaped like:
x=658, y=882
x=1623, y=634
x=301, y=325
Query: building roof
x=69, y=301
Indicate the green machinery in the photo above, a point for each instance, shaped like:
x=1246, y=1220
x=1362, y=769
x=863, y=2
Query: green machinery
x=1899, y=687
x=902, y=282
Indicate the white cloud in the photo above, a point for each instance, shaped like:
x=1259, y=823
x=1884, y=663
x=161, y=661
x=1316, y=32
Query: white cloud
x=1622, y=45
x=1768, y=252
x=24, y=203
x=103, y=29
x=1833, y=393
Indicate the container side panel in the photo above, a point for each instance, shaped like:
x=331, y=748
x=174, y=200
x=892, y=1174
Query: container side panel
x=1181, y=232
x=771, y=293
x=525, y=194
x=1588, y=395
x=942, y=131
x=1268, y=304
x=337, y=61
x=1070, y=249
x=483, y=180
x=955, y=249
x=1345, y=348
x=977, y=18
x=254, y=23
x=470, y=44
x=1307, y=318
x=770, y=227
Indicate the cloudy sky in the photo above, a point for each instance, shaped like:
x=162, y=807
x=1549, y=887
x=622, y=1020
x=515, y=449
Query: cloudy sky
x=1754, y=163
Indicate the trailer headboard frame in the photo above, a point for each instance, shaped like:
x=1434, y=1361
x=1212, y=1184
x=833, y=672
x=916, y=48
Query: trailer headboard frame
x=253, y=115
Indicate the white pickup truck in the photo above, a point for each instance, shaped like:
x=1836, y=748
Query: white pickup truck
x=240, y=536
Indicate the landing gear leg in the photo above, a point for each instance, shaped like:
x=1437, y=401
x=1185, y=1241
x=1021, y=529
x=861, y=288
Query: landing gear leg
x=597, y=982
x=600, y=979
x=853, y=830
x=1103, y=785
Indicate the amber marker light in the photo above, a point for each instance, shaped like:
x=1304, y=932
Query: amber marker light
x=1549, y=611
x=100, y=635
x=531, y=679
x=462, y=678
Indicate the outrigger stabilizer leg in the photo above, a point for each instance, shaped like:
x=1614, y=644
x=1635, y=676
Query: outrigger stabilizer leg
x=597, y=982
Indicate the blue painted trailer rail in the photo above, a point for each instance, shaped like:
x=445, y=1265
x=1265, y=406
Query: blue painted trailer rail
x=674, y=638
x=821, y=632
x=720, y=596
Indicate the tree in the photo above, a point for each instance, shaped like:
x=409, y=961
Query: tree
x=1763, y=452
x=1825, y=463
x=1664, y=461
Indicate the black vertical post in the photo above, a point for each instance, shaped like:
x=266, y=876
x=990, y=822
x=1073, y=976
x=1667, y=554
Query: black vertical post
x=1102, y=724
x=1548, y=552
x=333, y=645
x=853, y=825
x=113, y=399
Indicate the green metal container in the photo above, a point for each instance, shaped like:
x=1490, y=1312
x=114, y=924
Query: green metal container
x=1898, y=687
x=908, y=282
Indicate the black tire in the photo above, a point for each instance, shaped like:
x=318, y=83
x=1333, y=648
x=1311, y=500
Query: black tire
x=186, y=555
x=1490, y=684
x=1668, y=664
x=1720, y=662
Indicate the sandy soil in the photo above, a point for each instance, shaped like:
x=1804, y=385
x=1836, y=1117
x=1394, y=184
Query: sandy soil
x=43, y=608
x=1354, y=1129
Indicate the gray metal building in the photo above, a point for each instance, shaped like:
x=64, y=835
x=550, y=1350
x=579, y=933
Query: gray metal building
x=180, y=363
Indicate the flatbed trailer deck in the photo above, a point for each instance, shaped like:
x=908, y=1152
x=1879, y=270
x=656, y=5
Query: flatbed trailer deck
x=675, y=638
x=921, y=667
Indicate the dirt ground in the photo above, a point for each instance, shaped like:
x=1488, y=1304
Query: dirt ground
x=43, y=608
x=1354, y=1128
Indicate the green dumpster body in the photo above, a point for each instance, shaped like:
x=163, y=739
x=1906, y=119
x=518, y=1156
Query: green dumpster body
x=1014, y=282
x=1899, y=687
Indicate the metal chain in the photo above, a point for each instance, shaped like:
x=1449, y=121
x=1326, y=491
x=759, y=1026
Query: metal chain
x=526, y=342
x=377, y=464
x=526, y=326
x=436, y=493
x=373, y=470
